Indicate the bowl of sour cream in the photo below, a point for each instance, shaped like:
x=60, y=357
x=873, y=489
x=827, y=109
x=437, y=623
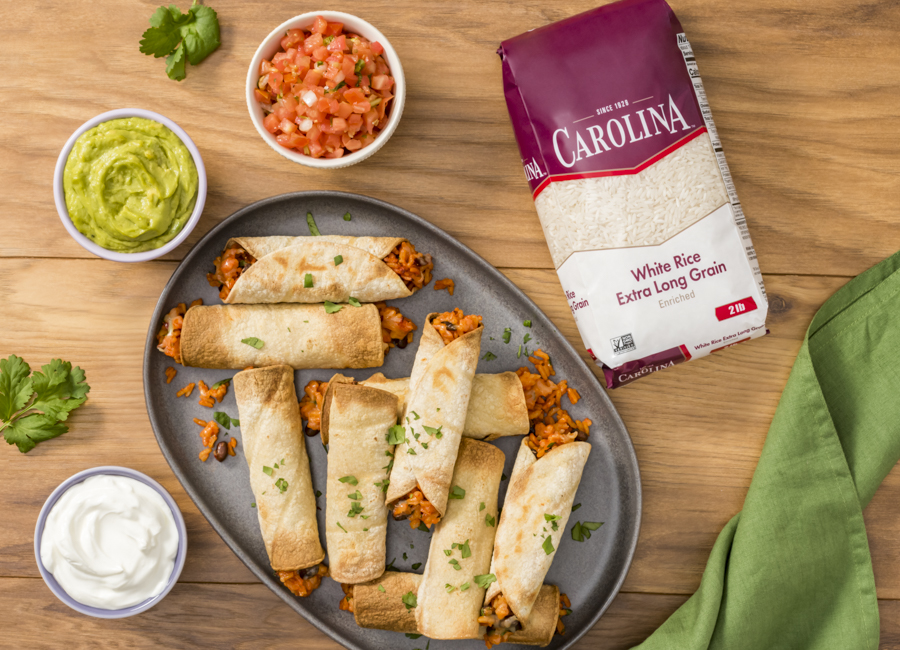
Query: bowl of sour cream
x=110, y=542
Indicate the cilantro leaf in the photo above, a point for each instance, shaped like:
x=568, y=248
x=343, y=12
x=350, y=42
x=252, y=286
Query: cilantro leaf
x=201, y=35
x=181, y=37
x=331, y=308
x=15, y=386
x=548, y=545
x=26, y=432
x=224, y=420
x=253, y=342
x=409, y=599
x=162, y=37
x=175, y=64
x=32, y=408
x=485, y=580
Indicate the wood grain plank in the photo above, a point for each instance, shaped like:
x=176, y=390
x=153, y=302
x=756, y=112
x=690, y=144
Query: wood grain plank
x=804, y=97
x=244, y=617
x=697, y=446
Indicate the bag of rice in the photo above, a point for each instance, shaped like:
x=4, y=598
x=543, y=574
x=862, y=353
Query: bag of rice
x=632, y=189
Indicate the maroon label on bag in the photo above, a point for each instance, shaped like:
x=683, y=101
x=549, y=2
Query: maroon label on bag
x=603, y=93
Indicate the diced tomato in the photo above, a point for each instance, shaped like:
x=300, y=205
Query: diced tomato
x=312, y=78
x=354, y=95
x=302, y=61
x=377, y=48
x=262, y=96
x=316, y=150
x=265, y=67
x=281, y=60
x=322, y=106
x=287, y=127
x=292, y=38
x=271, y=122
x=319, y=26
x=370, y=118
x=353, y=144
x=312, y=42
x=298, y=141
x=313, y=134
x=275, y=81
x=334, y=29
x=382, y=82
x=337, y=153
x=362, y=107
x=320, y=53
x=344, y=110
x=339, y=44
x=339, y=124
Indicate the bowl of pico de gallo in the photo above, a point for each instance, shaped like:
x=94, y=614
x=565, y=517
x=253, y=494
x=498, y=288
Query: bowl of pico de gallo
x=325, y=89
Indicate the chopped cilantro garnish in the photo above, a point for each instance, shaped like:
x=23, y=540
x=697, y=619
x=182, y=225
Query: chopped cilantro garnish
x=313, y=228
x=448, y=552
x=383, y=485
x=381, y=588
x=223, y=419
x=253, y=342
x=457, y=493
x=331, y=308
x=489, y=521
x=356, y=496
x=507, y=334
x=411, y=452
x=548, y=545
x=481, y=506
x=576, y=507
x=355, y=509
x=423, y=527
x=354, y=302
x=409, y=599
x=554, y=520
x=504, y=477
x=338, y=259
x=349, y=479
x=268, y=470
x=485, y=580
x=455, y=564
x=450, y=588
x=526, y=323
x=341, y=527
x=416, y=565
x=416, y=417
x=282, y=485
x=489, y=356
x=431, y=431
x=318, y=493
x=308, y=281
x=526, y=339
x=347, y=217
x=396, y=434
x=519, y=353
x=464, y=586
x=224, y=382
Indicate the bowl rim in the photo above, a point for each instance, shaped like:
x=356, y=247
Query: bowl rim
x=369, y=31
x=59, y=194
x=61, y=593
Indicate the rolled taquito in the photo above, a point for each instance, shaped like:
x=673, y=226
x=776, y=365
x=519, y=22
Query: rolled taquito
x=282, y=264
x=274, y=446
x=451, y=594
x=355, y=422
x=440, y=386
x=537, y=507
x=380, y=604
x=496, y=404
x=300, y=336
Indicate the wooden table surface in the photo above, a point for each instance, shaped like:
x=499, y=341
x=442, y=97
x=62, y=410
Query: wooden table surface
x=804, y=94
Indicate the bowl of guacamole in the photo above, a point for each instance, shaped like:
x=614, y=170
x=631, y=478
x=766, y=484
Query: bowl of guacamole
x=130, y=185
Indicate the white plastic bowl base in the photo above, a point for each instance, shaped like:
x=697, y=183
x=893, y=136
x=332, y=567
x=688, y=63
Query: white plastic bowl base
x=272, y=43
x=59, y=194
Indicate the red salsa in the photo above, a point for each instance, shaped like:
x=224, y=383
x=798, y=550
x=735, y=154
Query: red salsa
x=326, y=92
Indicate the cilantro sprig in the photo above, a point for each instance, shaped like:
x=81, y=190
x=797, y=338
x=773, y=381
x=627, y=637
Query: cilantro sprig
x=191, y=36
x=33, y=407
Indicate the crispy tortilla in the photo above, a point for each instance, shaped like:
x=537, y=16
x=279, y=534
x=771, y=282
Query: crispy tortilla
x=440, y=385
x=454, y=615
x=356, y=419
x=282, y=263
x=271, y=432
x=300, y=336
x=537, y=487
x=496, y=405
x=385, y=610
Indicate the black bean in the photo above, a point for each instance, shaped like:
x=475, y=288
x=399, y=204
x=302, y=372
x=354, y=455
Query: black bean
x=450, y=326
x=582, y=436
x=221, y=451
x=308, y=572
x=310, y=432
x=401, y=343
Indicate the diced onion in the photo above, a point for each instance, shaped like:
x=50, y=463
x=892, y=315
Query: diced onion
x=310, y=98
x=306, y=125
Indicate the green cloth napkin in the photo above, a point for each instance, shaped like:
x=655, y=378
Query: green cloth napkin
x=793, y=570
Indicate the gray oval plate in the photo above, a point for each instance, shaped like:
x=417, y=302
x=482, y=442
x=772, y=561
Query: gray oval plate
x=591, y=572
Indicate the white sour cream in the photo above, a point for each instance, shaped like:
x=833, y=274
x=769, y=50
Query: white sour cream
x=110, y=542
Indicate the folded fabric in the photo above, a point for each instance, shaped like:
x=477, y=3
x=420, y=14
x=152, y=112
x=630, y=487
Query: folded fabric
x=793, y=570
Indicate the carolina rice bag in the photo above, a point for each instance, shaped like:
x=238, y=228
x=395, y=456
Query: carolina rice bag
x=632, y=188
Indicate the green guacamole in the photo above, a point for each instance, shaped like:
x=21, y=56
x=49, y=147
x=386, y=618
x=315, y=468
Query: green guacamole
x=130, y=185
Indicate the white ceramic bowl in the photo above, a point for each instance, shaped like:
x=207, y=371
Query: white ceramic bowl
x=272, y=43
x=55, y=587
x=60, y=196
